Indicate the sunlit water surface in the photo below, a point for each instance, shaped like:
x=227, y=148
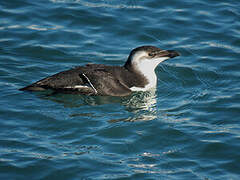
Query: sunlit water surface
x=188, y=129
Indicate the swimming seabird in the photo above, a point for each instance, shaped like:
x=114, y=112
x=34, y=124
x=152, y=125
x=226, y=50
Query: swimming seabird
x=137, y=74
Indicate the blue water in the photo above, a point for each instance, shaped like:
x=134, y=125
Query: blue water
x=188, y=129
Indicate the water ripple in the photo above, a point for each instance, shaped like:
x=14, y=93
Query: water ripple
x=104, y=4
x=187, y=129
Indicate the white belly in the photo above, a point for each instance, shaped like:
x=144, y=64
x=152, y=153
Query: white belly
x=151, y=85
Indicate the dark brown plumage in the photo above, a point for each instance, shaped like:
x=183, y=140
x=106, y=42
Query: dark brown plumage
x=97, y=79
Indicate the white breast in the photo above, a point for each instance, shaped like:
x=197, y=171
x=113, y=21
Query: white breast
x=146, y=66
x=152, y=82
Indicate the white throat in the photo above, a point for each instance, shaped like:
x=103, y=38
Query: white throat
x=147, y=68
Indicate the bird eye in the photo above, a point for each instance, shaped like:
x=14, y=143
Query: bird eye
x=151, y=54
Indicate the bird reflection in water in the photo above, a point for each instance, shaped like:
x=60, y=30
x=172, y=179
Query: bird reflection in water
x=140, y=106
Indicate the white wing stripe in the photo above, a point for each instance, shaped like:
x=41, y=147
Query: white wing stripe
x=90, y=83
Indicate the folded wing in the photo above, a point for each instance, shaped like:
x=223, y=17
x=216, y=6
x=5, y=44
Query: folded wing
x=90, y=80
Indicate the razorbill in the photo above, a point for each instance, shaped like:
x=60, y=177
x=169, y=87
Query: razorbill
x=137, y=74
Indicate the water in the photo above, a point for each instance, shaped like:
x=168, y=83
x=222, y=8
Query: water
x=188, y=129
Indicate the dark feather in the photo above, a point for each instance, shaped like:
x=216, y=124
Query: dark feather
x=105, y=79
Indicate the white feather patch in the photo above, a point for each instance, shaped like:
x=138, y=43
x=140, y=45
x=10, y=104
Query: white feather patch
x=83, y=86
x=146, y=67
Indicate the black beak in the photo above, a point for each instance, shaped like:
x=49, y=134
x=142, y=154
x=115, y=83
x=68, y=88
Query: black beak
x=168, y=53
x=173, y=53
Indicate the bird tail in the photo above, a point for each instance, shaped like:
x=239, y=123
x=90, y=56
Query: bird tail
x=32, y=87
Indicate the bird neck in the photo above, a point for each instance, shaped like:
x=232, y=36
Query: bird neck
x=147, y=73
